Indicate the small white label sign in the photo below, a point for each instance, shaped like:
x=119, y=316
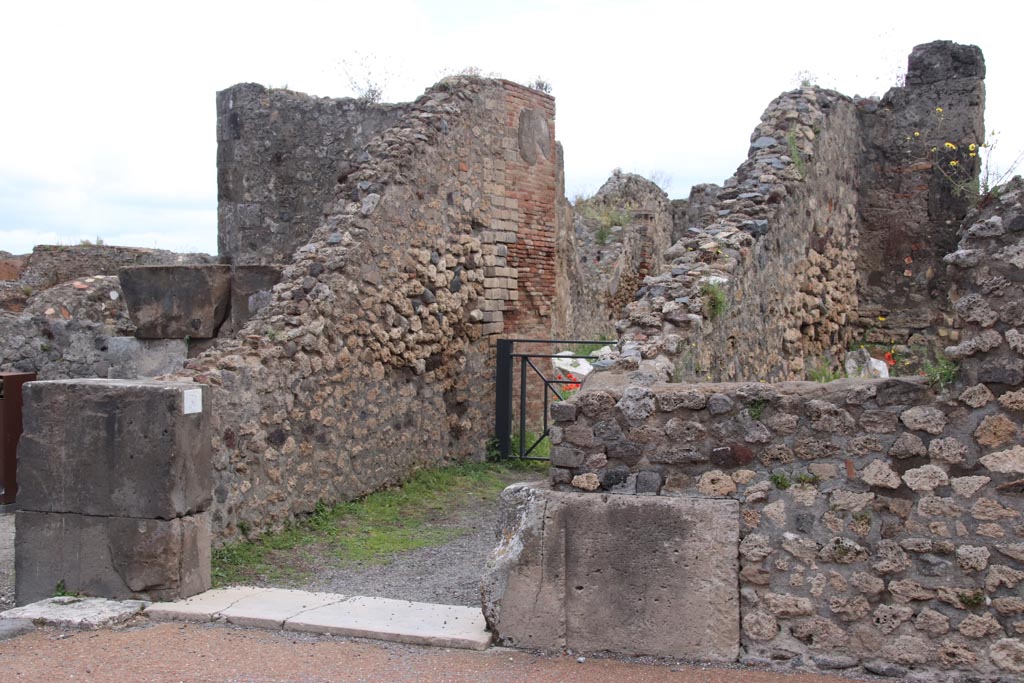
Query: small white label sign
x=191, y=401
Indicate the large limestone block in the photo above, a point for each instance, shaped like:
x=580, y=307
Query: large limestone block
x=628, y=574
x=128, y=448
x=174, y=302
x=111, y=557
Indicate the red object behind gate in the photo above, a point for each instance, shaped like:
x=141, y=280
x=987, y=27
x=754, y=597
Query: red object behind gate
x=10, y=431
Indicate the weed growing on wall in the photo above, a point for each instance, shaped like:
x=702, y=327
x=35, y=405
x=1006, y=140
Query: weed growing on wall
x=795, y=155
x=716, y=302
x=601, y=216
x=823, y=372
x=942, y=373
x=756, y=408
x=955, y=160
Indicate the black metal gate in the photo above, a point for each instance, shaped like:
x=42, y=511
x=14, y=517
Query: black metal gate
x=505, y=382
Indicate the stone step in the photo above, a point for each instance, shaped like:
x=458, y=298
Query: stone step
x=401, y=621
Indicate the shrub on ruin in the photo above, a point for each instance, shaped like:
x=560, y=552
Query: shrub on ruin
x=541, y=84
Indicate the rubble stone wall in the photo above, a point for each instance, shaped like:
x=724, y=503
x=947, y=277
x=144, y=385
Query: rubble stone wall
x=64, y=316
x=883, y=520
x=375, y=355
x=777, y=257
x=81, y=328
x=881, y=524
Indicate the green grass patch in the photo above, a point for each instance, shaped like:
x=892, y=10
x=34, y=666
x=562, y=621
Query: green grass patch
x=590, y=349
x=824, y=373
x=369, y=530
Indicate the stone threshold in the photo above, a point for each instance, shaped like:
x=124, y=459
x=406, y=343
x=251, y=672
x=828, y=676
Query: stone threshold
x=400, y=621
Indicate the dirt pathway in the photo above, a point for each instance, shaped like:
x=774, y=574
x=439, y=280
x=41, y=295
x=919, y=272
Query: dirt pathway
x=172, y=653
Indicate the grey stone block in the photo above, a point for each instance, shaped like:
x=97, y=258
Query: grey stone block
x=112, y=557
x=250, y=290
x=123, y=448
x=174, y=302
x=131, y=358
x=627, y=574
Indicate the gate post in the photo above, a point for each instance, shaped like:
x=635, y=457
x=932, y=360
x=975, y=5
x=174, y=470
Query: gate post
x=503, y=397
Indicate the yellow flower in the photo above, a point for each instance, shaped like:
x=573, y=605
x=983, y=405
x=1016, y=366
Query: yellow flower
x=881, y=318
x=949, y=145
x=954, y=163
x=935, y=149
x=938, y=110
x=917, y=134
x=972, y=147
x=972, y=155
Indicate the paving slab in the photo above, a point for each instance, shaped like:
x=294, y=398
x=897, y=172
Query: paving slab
x=12, y=628
x=206, y=606
x=72, y=612
x=271, y=608
x=401, y=621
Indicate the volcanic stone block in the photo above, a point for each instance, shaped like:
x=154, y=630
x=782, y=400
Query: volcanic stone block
x=111, y=557
x=174, y=302
x=250, y=290
x=628, y=574
x=128, y=448
x=130, y=357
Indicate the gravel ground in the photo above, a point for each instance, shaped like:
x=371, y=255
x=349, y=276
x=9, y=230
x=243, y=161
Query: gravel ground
x=172, y=653
x=6, y=561
x=448, y=574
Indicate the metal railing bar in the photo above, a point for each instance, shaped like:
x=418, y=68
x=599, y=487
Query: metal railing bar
x=547, y=355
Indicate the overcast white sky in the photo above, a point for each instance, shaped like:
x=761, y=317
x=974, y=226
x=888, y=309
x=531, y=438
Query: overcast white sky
x=108, y=109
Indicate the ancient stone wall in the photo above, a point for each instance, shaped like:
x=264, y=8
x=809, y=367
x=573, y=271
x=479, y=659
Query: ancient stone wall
x=620, y=237
x=767, y=286
x=696, y=211
x=374, y=355
x=919, y=175
x=81, y=328
x=882, y=524
x=51, y=265
x=64, y=316
x=283, y=156
x=881, y=519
